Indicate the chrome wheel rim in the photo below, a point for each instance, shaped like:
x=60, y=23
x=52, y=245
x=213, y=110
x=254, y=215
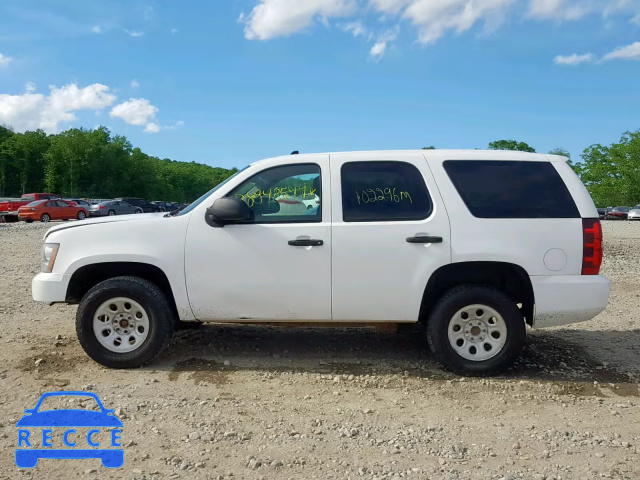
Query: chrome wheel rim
x=111, y=213
x=45, y=218
x=81, y=216
x=477, y=332
x=121, y=325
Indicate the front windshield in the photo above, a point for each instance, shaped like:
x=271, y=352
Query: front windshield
x=204, y=197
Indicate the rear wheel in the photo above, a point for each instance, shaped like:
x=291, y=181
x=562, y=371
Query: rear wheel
x=124, y=322
x=45, y=218
x=111, y=213
x=81, y=215
x=476, y=330
x=28, y=221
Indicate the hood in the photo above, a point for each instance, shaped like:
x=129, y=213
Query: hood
x=139, y=217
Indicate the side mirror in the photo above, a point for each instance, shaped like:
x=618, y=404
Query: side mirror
x=227, y=210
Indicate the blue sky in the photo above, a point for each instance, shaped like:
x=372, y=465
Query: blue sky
x=229, y=82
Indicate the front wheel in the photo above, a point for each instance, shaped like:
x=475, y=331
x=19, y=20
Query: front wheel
x=124, y=322
x=476, y=330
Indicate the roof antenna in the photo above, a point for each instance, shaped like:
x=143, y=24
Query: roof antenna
x=295, y=152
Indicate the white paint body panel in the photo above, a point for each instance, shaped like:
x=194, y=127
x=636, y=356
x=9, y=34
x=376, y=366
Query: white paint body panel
x=363, y=272
x=251, y=272
x=376, y=274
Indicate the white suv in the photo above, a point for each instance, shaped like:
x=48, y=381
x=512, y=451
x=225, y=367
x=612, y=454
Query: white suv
x=472, y=245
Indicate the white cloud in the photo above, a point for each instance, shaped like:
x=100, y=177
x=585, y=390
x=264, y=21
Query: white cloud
x=434, y=19
x=5, y=60
x=380, y=47
x=574, y=59
x=97, y=29
x=136, y=111
x=134, y=33
x=355, y=28
x=30, y=110
x=575, y=9
x=280, y=18
x=135, y=83
x=628, y=52
x=152, y=128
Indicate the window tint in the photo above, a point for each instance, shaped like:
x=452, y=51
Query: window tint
x=50, y=204
x=284, y=194
x=62, y=204
x=510, y=189
x=383, y=191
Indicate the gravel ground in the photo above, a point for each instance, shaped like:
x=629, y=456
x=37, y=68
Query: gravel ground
x=258, y=402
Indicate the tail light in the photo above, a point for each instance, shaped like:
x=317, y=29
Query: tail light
x=592, y=246
x=101, y=207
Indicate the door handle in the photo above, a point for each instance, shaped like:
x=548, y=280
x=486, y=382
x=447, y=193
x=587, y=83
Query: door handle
x=424, y=239
x=306, y=243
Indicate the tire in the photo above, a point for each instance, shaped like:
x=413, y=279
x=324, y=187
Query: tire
x=81, y=215
x=506, y=322
x=28, y=221
x=159, y=316
x=138, y=211
x=45, y=218
x=111, y=213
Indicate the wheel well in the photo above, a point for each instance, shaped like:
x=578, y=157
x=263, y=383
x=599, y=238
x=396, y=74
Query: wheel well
x=510, y=279
x=87, y=277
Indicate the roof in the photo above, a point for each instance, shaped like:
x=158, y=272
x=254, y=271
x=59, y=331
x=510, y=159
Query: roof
x=441, y=154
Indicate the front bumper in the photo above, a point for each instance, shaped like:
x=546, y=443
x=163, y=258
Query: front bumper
x=50, y=287
x=633, y=216
x=566, y=299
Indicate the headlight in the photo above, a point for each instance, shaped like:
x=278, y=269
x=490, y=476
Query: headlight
x=49, y=253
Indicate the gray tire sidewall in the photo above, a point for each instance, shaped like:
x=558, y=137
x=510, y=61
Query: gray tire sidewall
x=460, y=297
x=152, y=299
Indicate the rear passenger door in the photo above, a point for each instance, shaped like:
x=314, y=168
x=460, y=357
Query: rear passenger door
x=390, y=233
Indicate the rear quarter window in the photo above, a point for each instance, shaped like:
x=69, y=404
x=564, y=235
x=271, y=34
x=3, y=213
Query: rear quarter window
x=511, y=189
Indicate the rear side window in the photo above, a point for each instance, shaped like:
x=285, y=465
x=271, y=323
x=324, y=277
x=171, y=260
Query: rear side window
x=511, y=189
x=383, y=192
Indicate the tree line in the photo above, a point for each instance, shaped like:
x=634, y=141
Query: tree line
x=610, y=173
x=93, y=164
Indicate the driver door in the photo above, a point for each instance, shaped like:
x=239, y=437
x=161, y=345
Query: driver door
x=266, y=269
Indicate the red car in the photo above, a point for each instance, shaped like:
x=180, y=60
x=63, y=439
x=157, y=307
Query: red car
x=618, y=213
x=46, y=210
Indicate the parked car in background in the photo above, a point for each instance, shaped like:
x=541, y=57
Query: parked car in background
x=93, y=201
x=602, y=212
x=111, y=208
x=146, y=207
x=311, y=202
x=47, y=210
x=9, y=209
x=78, y=201
x=618, y=213
x=634, y=213
x=166, y=206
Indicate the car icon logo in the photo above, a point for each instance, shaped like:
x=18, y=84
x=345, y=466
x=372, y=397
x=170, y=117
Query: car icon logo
x=85, y=433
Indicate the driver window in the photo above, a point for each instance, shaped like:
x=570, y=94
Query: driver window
x=287, y=194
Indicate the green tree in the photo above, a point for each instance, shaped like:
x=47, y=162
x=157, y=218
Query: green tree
x=511, y=145
x=612, y=173
x=429, y=148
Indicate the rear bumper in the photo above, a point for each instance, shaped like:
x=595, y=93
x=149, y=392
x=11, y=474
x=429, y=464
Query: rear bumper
x=50, y=287
x=566, y=299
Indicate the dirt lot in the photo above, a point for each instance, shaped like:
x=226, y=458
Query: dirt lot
x=248, y=402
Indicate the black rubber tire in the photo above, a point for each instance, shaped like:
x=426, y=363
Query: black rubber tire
x=28, y=221
x=458, y=298
x=45, y=218
x=153, y=300
x=111, y=213
x=81, y=214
